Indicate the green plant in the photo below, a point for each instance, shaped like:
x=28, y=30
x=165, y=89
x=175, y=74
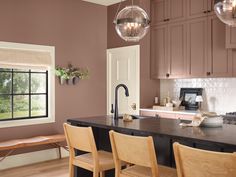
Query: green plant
x=71, y=72
x=61, y=72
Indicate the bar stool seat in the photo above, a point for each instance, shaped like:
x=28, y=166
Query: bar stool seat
x=105, y=161
x=140, y=171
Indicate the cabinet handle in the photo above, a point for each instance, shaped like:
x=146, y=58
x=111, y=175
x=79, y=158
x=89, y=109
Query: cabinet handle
x=205, y=12
x=167, y=19
x=209, y=11
x=208, y=73
x=167, y=75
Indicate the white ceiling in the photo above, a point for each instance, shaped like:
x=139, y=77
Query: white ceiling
x=103, y=2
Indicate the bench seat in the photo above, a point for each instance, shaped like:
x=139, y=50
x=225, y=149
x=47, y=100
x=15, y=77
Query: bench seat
x=12, y=145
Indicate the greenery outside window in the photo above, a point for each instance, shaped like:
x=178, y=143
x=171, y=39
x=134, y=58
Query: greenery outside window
x=23, y=94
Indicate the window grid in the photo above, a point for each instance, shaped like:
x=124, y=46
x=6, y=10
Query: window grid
x=12, y=94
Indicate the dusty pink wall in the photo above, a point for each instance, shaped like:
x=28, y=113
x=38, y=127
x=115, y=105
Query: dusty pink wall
x=148, y=88
x=78, y=30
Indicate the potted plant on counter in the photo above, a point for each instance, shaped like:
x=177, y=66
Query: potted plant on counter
x=71, y=75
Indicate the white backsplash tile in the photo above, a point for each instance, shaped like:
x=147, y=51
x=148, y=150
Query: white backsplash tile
x=219, y=94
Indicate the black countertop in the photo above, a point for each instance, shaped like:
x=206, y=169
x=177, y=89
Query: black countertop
x=168, y=127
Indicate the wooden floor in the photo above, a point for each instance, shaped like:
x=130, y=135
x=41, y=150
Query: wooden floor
x=55, y=168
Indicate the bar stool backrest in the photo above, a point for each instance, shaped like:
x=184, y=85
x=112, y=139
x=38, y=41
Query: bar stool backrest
x=192, y=162
x=135, y=150
x=80, y=138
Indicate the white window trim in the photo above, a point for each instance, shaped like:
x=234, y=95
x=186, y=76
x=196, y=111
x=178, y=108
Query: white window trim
x=51, y=86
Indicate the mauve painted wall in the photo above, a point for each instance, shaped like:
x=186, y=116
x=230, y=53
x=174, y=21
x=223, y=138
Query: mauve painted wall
x=148, y=88
x=78, y=30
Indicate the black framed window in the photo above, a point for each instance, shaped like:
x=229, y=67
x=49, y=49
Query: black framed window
x=23, y=94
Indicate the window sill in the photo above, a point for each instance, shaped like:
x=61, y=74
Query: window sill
x=24, y=122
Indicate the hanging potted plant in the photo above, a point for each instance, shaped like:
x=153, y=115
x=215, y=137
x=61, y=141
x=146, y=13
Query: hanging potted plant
x=62, y=75
x=71, y=75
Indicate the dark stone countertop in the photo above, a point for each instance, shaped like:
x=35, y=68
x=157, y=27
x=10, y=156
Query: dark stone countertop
x=168, y=127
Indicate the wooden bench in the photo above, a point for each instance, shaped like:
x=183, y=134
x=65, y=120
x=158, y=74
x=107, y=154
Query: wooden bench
x=12, y=145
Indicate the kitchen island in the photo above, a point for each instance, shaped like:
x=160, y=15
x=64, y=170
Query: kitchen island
x=164, y=132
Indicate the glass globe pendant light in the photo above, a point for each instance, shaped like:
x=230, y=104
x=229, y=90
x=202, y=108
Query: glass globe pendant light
x=131, y=23
x=226, y=11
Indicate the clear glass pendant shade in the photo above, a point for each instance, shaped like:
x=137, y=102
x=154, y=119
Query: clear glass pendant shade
x=132, y=23
x=226, y=12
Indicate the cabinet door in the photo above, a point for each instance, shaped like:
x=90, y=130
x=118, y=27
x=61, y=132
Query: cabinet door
x=159, y=11
x=148, y=113
x=159, y=52
x=176, y=10
x=177, y=50
x=197, y=47
x=184, y=116
x=230, y=37
x=166, y=115
x=197, y=8
x=234, y=63
x=210, y=6
x=219, y=58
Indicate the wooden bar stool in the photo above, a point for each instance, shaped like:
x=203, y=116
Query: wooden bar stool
x=192, y=162
x=81, y=138
x=140, y=152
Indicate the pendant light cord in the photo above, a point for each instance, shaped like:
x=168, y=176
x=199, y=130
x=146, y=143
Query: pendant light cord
x=114, y=21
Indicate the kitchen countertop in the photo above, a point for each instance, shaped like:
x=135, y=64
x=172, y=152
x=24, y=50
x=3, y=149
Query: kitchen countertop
x=187, y=112
x=168, y=127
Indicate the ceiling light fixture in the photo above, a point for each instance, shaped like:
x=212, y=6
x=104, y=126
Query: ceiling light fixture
x=226, y=11
x=131, y=23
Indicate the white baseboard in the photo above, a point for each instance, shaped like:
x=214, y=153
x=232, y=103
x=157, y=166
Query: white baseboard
x=31, y=158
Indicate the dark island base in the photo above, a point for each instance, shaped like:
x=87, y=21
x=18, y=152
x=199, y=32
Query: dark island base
x=163, y=147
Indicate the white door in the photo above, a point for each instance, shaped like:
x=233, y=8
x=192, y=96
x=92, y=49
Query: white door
x=123, y=68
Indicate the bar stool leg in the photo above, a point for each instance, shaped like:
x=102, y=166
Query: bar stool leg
x=102, y=174
x=71, y=170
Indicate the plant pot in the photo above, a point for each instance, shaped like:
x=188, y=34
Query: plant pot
x=62, y=81
x=76, y=80
x=70, y=81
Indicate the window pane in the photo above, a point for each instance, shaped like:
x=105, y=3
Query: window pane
x=38, y=70
x=5, y=69
x=5, y=82
x=21, y=82
x=21, y=106
x=5, y=107
x=21, y=70
x=38, y=105
x=38, y=83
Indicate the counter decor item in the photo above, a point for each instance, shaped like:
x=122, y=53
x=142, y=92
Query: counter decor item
x=127, y=118
x=156, y=100
x=188, y=96
x=177, y=103
x=211, y=119
x=196, y=122
x=205, y=119
x=199, y=100
x=71, y=75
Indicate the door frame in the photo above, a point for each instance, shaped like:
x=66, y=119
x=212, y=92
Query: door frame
x=108, y=73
